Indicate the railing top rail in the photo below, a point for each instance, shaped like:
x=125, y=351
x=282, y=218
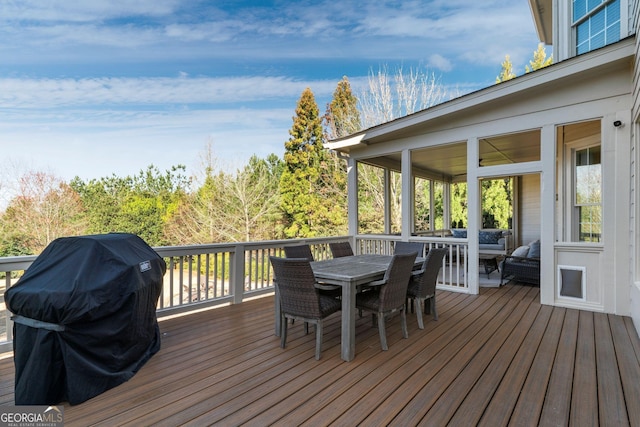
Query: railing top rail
x=16, y=263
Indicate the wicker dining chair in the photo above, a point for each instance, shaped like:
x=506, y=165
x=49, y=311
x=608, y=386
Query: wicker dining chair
x=304, y=251
x=422, y=286
x=409, y=247
x=340, y=249
x=299, y=297
x=298, y=251
x=389, y=295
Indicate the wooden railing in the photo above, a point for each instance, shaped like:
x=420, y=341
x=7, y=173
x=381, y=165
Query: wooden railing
x=202, y=276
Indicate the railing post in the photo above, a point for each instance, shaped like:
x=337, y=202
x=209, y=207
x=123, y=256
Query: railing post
x=236, y=276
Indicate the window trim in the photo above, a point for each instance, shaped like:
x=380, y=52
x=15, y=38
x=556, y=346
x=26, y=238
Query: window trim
x=571, y=233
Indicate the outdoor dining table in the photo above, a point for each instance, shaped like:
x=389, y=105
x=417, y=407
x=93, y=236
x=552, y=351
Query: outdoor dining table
x=349, y=272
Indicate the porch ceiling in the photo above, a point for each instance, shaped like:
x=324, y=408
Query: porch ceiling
x=450, y=160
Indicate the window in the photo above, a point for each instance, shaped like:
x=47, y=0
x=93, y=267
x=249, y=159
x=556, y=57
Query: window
x=596, y=23
x=587, y=195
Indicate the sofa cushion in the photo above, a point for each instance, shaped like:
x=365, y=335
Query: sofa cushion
x=521, y=251
x=489, y=237
x=534, y=249
x=459, y=233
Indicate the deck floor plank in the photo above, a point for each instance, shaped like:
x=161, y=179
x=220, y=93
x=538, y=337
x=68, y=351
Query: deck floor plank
x=498, y=358
x=456, y=357
x=627, y=347
x=584, y=405
x=611, y=405
x=505, y=369
x=557, y=401
x=498, y=411
x=491, y=359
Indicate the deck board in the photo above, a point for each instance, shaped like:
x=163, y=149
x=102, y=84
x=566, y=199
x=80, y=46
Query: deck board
x=498, y=358
x=584, y=405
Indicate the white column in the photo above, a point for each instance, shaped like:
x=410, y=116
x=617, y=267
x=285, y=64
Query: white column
x=387, y=201
x=352, y=197
x=474, y=209
x=547, y=210
x=407, y=195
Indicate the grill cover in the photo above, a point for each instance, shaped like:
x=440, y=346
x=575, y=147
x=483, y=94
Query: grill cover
x=102, y=290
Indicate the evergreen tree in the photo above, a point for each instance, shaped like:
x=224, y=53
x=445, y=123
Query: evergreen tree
x=342, y=117
x=539, y=60
x=507, y=71
x=313, y=181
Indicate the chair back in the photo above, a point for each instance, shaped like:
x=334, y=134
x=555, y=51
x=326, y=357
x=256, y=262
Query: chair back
x=393, y=293
x=296, y=286
x=431, y=269
x=298, y=251
x=340, y=249
x=409, y=247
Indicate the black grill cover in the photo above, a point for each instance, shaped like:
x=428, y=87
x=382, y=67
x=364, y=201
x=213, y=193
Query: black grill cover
x=103, y=290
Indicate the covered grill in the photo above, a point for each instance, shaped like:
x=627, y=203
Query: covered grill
x=85, y=317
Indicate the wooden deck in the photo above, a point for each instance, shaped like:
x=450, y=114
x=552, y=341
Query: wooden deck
x=493, y=359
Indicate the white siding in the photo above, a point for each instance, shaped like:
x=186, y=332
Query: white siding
x=529, y=209
x=634, y=252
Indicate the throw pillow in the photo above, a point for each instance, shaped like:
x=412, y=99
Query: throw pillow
x=489, y=237
x=534, y=249
x=459, y=233
x=521, y=251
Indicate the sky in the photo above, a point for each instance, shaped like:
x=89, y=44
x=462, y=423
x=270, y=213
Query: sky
x=101, y=87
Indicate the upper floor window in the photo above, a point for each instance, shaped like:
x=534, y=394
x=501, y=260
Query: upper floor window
x=596, y=23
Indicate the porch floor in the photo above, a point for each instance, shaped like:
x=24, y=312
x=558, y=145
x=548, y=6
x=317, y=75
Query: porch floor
x=491, y=359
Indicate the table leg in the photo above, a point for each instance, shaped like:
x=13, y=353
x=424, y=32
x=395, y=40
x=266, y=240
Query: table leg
x=348, y=342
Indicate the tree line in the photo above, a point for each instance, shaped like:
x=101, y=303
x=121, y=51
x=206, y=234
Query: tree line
x=302, y=194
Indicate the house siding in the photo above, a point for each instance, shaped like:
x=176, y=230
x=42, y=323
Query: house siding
x=530, y=209
x=634, y=226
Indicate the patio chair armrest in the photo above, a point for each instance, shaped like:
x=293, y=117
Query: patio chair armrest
x=417, y=273
x=522, y=259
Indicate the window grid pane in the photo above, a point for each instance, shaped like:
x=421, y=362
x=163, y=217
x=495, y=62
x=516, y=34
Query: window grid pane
x=588, y=194
x=600, y=29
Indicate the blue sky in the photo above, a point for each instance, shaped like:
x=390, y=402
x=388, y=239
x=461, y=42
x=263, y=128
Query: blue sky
x=98, y=87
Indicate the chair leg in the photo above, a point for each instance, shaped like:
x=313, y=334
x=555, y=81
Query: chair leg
x=283, y=331
x=403, y=322
x=381, y=331
x=318, y=339
x=418, y=304
x=432, y=301
x=306, y=328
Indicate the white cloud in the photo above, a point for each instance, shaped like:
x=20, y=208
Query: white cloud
x=439, y=62
x=83, y=11
x=47, y=93
x=93, y=85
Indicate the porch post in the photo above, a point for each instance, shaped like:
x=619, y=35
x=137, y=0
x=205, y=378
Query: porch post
x=387, y=201
x=407, y=195
x=473, y=212
x=352, y=198
x=547, y=214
